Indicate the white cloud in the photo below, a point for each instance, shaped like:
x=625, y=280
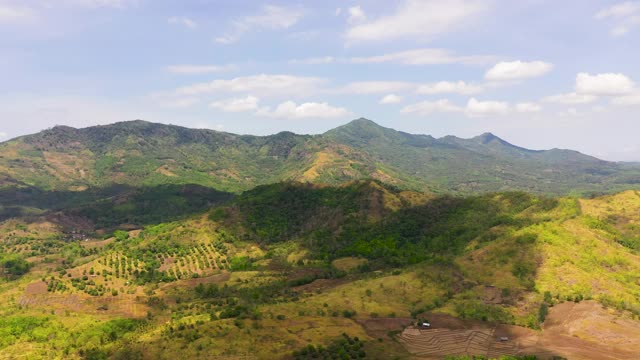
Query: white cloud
x=356, y=15
x=338, y=11
x=261, y=85
x=3, y=135
x=620, y=10
x=15, y=14
x=376, y=87
x=528, y=107
x=200, y=69
x=314, y=61
x=181, y=103
x=625, y=27
x=608, y=84
x=418, y=18
x=484, y=108
x=236, y=105
x=429, y=107
x=183, y=20
x=391, y=99
x=290, y=110
x=570, y=99
x=448, y=87
x=270, y=18
x=624, y=17
x=474, y=108
x=633, y=99
x=517, y=70
x=427, y=56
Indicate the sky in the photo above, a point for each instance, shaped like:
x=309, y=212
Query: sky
x=539, y=73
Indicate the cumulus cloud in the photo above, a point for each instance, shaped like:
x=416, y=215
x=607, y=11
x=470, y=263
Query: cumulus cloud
x=3, y=135
x=184, y=21
x=623, y=17
x=376, y=87
x=527, y=107
x=476, y=108
x=418, y=18
x=608, y=84
x=390, y=99
x=429, y=107
x=199, y=69
x=261, y=85
x=237, y=104
x=290, y=110
x=356, y=15
x=449, y=87
x=570, y=99
x=517, y=70
x=270, y=18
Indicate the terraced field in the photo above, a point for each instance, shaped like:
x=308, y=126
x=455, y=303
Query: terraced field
x=442, y=342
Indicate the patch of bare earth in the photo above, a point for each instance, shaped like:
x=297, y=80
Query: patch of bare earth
x=380, y=327
x=573, y=330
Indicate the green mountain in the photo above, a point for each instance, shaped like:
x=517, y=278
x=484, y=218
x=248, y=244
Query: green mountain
x=139, y=153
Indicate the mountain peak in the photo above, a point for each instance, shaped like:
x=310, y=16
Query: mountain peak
x=361, y=131
x=362, y=123
x=488, y=137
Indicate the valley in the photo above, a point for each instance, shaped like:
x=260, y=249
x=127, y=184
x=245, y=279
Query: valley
x=283, y=267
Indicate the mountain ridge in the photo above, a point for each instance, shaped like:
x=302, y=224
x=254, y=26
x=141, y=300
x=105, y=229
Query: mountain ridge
x=142, y=153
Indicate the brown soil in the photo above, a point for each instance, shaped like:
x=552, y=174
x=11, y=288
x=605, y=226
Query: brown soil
x=576, y=331
x=321, y=284
x=189, y=283
x=167, y=263
x=97, y=244
x=36, y=288
x=380, y=327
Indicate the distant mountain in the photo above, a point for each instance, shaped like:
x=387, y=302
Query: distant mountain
x=139, y=153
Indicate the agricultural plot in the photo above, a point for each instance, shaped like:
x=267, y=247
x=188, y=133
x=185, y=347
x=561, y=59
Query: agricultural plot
x=117, y=272
x=197, y=261
x=443, y=342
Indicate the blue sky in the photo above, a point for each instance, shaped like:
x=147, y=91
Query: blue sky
x=540, y=74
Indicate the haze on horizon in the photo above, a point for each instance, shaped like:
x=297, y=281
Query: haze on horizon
x=537, y=73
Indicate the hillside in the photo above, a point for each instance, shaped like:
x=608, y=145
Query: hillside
x=138, y=154
x=289, y=265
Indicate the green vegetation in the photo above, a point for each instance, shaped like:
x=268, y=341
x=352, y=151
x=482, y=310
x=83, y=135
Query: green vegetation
x=141, y=154
x=344, y=348
x=13, y=265
x=282, y=266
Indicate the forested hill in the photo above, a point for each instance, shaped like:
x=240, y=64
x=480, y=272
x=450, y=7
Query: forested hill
x=139, y=153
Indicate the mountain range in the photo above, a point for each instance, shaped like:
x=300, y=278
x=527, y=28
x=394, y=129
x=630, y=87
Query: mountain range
x=139, y=153
x=147, y=241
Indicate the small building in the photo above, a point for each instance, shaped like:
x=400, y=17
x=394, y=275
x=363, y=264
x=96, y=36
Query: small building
x=504, y=338
x=425, y=325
